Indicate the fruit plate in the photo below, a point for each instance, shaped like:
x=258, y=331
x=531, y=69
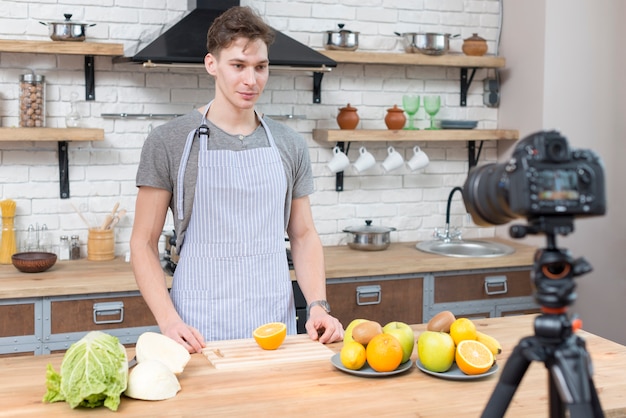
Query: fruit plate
x=366, y=370
x=455, y=373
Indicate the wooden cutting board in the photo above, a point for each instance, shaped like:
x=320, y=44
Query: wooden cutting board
x=246, y=354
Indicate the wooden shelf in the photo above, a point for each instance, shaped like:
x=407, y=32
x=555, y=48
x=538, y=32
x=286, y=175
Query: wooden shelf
x=51, y=134
x=373, y=135
x=393, y=58
x=60, y=47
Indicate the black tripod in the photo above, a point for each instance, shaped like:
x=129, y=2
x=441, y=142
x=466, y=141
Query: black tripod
x=554, y=343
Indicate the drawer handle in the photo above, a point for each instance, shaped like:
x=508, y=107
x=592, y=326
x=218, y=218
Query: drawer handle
x=495, y=285
x=108, y=309
x=372, y=292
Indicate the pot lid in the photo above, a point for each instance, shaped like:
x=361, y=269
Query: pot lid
x=348, y=108
x=67, y=20
x=341, y=30
x=395, y=108
x=369, y=228
x=475, y=37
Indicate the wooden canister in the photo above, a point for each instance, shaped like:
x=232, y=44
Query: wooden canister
x=100, y=245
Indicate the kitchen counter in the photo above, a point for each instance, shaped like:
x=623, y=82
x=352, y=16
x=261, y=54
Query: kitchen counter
x=316, y=388
x=84, y=277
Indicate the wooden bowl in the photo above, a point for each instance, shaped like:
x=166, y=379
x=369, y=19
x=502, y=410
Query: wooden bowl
x=33, y=262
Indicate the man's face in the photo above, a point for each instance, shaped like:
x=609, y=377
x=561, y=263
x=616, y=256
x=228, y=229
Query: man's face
x=240, y=71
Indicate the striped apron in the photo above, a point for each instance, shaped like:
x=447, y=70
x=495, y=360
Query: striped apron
x=232, y=275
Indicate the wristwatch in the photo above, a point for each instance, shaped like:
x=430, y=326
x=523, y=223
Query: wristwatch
x=324, y=304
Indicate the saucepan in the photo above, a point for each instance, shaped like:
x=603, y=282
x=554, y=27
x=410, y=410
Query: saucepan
x=342, y=39
x=67, y=30
x=369, y=237
x=428, y=43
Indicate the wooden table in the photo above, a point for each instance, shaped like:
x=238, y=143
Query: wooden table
x=316, y=388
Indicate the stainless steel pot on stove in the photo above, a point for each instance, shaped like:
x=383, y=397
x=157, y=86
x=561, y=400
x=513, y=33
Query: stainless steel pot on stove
x=428, y=43
x=342, y=39
x=67, y=30
x=369, y=237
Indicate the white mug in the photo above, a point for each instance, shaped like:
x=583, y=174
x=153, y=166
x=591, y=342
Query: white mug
x=339, y=162
x=419, y=159
x=365, y=161
x=393, y=161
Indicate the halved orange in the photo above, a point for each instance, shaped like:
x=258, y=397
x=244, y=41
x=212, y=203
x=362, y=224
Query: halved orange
x=473, y=357
x=271, y=335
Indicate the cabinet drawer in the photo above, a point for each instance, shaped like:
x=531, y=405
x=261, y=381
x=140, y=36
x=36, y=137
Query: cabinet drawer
x=17, y=320
x=482, y=286
x=382, y=301
x=77, y=315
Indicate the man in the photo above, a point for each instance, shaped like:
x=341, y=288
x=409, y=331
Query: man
x=235, y=183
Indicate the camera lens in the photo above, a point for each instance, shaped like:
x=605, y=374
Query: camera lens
x=485, y=194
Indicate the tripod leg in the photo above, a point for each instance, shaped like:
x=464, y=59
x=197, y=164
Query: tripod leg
x=511, y=376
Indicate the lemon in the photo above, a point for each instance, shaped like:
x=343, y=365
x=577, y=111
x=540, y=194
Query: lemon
x=462, y=329
x=270, y=336
x=352, y=355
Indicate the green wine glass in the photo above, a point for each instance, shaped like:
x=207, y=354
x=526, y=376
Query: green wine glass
x=411, y=104
x=431, y=106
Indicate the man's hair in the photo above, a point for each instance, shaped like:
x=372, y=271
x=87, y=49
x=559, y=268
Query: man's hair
x=237, y=22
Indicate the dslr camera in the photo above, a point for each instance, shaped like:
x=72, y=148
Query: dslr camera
x=543, y=178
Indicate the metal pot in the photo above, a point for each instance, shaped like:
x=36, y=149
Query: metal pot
x=368, y=237
x=66, y=30
x=427, y=43
x=342, y=39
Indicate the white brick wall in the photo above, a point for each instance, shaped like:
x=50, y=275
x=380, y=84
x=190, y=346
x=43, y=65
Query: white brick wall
x=103, y=172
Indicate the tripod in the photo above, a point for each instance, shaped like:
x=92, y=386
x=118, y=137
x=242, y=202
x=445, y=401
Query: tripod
x=554, y=343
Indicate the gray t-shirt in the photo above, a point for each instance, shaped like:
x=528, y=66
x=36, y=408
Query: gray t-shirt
x=163, y=149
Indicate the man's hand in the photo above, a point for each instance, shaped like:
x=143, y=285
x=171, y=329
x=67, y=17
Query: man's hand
x=323, y=327
x=185, y=335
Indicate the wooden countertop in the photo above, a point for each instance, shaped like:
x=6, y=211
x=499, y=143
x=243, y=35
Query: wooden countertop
x=87, y=277
x=316, y=388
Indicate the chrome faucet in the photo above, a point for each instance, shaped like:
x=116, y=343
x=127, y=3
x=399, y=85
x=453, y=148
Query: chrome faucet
x=446, y=234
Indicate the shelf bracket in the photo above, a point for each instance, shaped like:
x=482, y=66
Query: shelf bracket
x=317, y=87
x=473, y=155
x=64, y=173
x=465, y=84
x=90, y=78
x=339, y=175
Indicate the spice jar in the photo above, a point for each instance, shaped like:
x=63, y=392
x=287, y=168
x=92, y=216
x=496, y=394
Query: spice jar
x=64, y=248
x=74, y=248
x=32, y=101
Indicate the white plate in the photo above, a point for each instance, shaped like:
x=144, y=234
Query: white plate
x=455, y=373
x=366, y=370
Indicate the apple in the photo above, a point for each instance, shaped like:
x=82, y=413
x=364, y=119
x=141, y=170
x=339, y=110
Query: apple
x=404, y=333
x=347, y=335
x=436, y=350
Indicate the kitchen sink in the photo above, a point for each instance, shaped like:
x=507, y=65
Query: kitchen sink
x=465, y=248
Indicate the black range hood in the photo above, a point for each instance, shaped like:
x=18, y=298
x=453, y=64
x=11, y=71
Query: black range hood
x=185, y=42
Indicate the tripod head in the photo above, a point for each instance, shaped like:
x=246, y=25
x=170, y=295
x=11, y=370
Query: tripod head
x=554, y=269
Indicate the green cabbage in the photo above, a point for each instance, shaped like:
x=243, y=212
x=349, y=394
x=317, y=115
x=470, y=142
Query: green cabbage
x=94, y=372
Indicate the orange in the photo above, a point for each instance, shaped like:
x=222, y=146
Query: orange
x=473, y=357
x=462, y=329
x=352, y=355
x=270, y=336
x=384, y=353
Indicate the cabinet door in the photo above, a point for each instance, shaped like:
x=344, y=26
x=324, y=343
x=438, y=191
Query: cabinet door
x=482, y=286
x=382, y=301
x=20, y=327
x=98, y=313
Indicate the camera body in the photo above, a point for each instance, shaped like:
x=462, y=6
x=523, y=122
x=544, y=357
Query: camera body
x=543, y=178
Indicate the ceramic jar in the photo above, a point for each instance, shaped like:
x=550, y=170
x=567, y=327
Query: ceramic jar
x=475, y=46
x=347, y=117
x=395, y=118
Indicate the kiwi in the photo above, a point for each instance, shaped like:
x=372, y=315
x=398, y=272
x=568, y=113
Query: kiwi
x=365, y=331
x=441, y=322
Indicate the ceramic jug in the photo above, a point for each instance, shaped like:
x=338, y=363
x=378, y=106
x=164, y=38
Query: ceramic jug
x=395, y=118
x=347, y=117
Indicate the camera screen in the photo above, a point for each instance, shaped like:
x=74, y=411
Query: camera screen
x=558, y=185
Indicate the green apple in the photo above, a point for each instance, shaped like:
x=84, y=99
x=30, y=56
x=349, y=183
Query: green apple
x=404, y=333
x=436, y=350
x=347, y=335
